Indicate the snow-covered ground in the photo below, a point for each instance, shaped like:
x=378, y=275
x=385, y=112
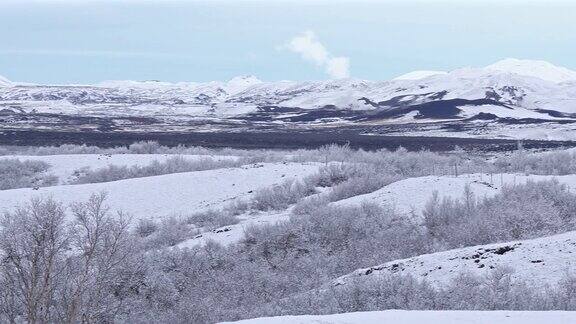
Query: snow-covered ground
x=538, y=261
x=409, y=196
x=64, y=165
x=551, y=131
x=171, y=194
x=423, y=317
x=234, y=233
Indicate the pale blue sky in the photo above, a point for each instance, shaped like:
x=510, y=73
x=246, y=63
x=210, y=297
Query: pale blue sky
x=59, y=41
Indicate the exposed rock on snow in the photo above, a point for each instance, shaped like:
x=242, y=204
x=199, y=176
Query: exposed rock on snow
x=539, y=261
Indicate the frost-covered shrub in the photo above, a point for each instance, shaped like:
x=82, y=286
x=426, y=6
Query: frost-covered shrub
x=212, y=219
x=360, y=185
x=176, y=164
x=518, y=212
x=107, y=174
x=348, y=180
x=146, y=227
x=170, y=231
x=333, y=174
x=237, y=207
x=25, y=174
x=549, y=163
x=145, y=147
x=281, y=196
x=310, y=204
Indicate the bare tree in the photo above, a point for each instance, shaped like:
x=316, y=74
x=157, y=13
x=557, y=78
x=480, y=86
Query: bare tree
x=54, y=270
x=33, y=243
x=99, y=267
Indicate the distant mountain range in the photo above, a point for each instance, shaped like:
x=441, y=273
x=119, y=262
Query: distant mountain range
x=510, y=98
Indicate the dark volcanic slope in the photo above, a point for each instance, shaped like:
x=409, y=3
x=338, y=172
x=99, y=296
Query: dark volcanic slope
x=270, y=140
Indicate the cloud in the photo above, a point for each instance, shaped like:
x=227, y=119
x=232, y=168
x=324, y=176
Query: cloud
x=312, y=50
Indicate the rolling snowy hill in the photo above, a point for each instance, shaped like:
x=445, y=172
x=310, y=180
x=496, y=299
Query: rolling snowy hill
x=171, y=194
x=538, y=261
x=64, y=166
x=409, y=197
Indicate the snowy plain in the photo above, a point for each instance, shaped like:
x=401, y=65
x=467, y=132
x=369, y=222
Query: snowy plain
x=64, y=165
x=423, y=317
x=171, y=194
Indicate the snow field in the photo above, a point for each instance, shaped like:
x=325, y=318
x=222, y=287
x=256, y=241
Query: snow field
x=63, y=166
x=422, y=317
x=172, y=194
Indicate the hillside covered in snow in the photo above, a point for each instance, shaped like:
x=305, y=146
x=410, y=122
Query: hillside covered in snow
x=190, y=234
x=539, y=261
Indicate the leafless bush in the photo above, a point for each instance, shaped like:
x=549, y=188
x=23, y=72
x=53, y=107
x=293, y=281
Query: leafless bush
x=212, y=219
x=518, y=212
x=237, y=207
x=146, y=227
x=170, y=231
x=25, y=174
x=360, y=185
x=281, y=196
x=176, y=164
x=493, y=291
x=310, y=204
x=551, y=163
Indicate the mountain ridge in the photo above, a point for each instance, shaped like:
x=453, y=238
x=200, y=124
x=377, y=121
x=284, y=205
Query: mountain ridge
x=479, y=98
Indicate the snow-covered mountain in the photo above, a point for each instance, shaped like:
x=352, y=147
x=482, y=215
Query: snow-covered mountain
x=4, y=82
x=417, y=75
x=510, y=90
x=538, y=69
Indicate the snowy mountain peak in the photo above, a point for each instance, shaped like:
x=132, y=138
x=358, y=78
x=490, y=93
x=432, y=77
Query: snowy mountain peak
x=4, y=82
x=241, y=83
x=534, y=68
x=418, y=75
x=245, y=79
x=135, y=84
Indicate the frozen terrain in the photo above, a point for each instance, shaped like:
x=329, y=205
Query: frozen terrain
x=172, y=194
x=243, y=236
x=409, y=196
x=542, y=261
x=419, y=317
x=230, y=234
x=64, y=166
